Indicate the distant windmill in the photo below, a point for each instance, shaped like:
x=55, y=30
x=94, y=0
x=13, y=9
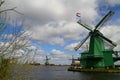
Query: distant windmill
x=47, y=61
x=73, y=61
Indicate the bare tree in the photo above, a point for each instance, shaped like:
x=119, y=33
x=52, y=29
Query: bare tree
x=11, y=43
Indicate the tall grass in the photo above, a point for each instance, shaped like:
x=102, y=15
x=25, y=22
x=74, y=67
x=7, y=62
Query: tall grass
x=4, y=66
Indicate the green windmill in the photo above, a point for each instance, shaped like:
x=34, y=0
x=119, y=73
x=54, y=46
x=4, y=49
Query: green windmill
x=97, y=55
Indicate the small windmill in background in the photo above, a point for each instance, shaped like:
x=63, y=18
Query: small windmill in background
x=75, y=61
x=47, y=61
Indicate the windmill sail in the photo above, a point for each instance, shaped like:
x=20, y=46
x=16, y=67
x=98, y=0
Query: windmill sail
x=84, y=25
x=82, y=42
x=113, y=43
x=104, y=19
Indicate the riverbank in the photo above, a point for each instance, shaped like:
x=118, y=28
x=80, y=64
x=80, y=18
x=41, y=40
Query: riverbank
x=102, y=70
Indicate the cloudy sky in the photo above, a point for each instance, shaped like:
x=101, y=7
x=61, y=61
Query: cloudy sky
x=53, y=26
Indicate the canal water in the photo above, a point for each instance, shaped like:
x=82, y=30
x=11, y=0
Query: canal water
x=31, y=72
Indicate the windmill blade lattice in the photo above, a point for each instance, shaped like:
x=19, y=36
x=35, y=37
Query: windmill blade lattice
x=82, y=42
x=104, y=19
x=84, y=25
x=111, y=42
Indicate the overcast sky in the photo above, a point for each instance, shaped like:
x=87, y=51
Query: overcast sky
x=53, y=24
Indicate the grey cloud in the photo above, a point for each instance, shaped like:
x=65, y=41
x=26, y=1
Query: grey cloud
x=52, y=20
x=57, y=33
x=54, y=10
